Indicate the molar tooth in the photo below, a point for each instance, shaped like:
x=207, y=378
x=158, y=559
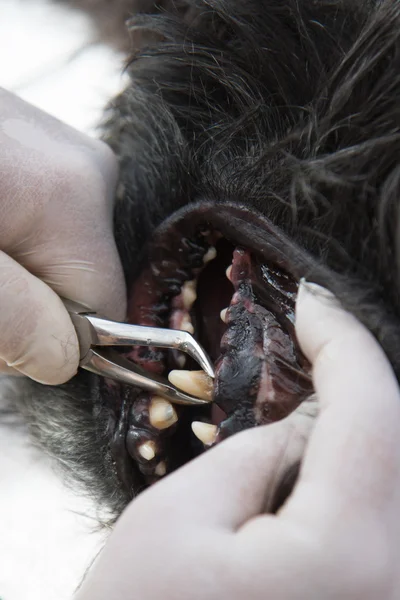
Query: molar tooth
x=196, y=383
x=223, y=313
x=161, y=413
x=186, y=324
x=189, y=294
x=228, y=272
x=209, y=255
x=205, y=432
x=160, y=469
x=147, y=450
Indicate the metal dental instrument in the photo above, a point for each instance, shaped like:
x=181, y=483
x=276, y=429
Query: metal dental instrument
x=96, y=335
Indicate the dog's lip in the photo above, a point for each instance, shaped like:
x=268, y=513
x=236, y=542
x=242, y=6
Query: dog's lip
x=245, y=226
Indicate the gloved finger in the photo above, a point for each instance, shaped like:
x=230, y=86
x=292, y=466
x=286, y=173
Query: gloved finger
x=350, y=383
x=37, y=335
x=339, y=529
x=59, y=224
x=232, y=482
x=352, y=460
x=6, y=370
x=86, y=269
x=192, y=516
x=73, y=248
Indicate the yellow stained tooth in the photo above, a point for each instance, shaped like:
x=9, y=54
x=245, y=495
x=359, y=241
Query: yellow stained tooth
x=160, y=469
x=147, y=450
x=209, y=255
x=222, y=314
x=205, y=432
x=228, y=272
x=196, y=383
x=189, y=293
x=161, y=413
x=187, y=325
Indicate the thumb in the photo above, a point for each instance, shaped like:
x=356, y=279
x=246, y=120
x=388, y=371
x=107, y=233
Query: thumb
x=37, y=337
x=233, y=481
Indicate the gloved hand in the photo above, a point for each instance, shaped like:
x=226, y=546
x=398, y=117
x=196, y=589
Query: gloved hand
x=56, y=239
x=201, y=534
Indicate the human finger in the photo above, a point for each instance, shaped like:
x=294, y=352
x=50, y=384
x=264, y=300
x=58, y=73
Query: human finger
x=353, y=453
x=37, y=335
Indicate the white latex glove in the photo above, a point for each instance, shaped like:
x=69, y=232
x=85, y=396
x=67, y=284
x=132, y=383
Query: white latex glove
x=56, y=211
x=200, y=534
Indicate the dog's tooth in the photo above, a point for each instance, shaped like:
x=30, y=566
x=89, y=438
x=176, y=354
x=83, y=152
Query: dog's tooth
x=186, y=324
x=209, y=255
x=196, y=383
x=161, y=413
x=189, y=294
x=181, y=360
x=161, y=469
x=228, y=272
x=205, y=432
x=223, y=313
x=147, y=450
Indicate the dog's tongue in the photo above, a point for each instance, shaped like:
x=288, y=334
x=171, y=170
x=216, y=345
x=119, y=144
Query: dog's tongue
x=259, y=375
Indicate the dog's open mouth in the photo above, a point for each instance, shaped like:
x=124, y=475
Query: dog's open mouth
x=226, y=275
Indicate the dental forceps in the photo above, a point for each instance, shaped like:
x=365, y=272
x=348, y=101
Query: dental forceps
x=96, y=337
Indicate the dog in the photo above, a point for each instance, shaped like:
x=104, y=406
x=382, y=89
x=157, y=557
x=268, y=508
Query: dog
x=258, y=136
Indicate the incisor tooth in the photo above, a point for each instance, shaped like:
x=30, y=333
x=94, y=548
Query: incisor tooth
x=147, y=450
x=209, y=255
x=205, y=432
x=196, y=383
x=228, y=272
x=187, y=325
x=161, y=413
x=160, y=469
x=222, y=314
x=189, y=294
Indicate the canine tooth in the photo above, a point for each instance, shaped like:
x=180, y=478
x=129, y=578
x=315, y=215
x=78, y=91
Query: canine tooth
x=205, y=432
x=189, y=294
x=196, y=383
x=161, y=413
x=209, y=255
x=160, y=469
x=147, y=450
x=222, y=314
x=186, y=324
x=228, y=272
